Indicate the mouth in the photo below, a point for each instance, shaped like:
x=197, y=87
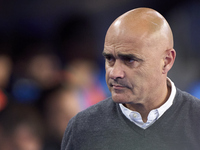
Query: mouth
x=117, y=86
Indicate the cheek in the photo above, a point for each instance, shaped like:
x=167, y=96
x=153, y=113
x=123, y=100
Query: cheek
x=153, y=68
x=150, y=77
x=108, y=70
x=107, y=75
x=141, y=78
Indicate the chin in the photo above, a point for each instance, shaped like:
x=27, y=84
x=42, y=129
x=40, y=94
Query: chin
x=119, y=98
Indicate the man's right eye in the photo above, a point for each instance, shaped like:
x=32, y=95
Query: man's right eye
x=109, y=58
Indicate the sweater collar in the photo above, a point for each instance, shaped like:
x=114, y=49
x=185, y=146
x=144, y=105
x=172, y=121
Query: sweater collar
x=154, y=114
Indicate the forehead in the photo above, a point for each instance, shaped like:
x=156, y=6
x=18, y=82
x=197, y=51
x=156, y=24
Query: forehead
x=135, y=42
x=116, y=45
x=120, y=48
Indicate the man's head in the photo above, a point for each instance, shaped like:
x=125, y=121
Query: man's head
x=139, y=52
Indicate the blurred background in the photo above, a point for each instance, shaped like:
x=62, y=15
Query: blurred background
x=51, y=65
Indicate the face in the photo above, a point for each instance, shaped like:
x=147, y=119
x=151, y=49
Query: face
x=133, y=68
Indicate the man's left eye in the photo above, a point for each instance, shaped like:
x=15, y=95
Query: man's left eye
x=129, y=60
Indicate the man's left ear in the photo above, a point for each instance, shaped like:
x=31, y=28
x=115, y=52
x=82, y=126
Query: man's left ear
x=169, y=59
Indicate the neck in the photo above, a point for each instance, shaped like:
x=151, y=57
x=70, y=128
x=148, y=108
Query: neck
x=145, y=108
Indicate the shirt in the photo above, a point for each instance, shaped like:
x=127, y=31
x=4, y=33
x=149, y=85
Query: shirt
x=154, y=114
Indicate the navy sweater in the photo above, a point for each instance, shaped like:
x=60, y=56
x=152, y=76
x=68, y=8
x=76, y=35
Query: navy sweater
x=104, y=127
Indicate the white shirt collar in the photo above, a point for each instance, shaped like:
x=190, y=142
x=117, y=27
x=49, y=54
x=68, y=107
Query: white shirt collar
x=170, y=100
x=154, y=114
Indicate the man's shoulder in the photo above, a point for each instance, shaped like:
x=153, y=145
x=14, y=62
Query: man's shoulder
x=188, y=99
x=102, y=108
x=186, y=96
x=95, y=115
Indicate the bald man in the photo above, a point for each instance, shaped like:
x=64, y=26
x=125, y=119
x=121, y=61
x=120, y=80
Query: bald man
x=146, y=110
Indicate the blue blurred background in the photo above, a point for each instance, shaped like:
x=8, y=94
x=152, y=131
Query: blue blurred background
x=51, y=65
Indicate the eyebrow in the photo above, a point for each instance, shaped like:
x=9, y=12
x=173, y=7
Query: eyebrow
x=106, y=54
x=123, y=56
x=130, y=56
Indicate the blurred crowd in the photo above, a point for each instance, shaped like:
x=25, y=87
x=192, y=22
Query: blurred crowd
x=43, y=85
x=46, y=81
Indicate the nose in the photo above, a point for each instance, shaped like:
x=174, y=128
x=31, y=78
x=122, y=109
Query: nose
x=116, y=71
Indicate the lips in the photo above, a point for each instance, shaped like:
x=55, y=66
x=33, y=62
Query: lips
x=118, y=87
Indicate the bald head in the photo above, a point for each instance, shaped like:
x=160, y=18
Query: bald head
x=142, y=24
x=138, y=54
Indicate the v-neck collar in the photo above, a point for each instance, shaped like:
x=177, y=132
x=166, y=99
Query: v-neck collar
x=157, y=124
